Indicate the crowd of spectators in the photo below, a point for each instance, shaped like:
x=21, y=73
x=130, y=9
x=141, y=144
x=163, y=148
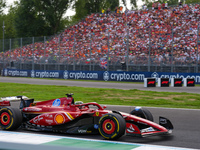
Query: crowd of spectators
x=162, y=36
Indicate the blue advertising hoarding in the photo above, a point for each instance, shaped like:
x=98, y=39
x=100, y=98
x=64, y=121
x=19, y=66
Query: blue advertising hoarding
x=99, y=75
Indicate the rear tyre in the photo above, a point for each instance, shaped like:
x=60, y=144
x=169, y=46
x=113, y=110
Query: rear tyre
x=142, y=112
x=112, y=126
x=10, y=118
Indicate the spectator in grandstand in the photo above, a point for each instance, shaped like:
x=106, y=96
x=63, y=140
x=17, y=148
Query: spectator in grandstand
x=89, y=39
x=102, y=11
x=108, y=11
x=180, y=3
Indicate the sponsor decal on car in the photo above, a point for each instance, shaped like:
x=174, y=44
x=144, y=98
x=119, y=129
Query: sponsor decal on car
x=32, y=109
x=33, y=104
x=56, y=102
x=48, y=116
x=141, y=122
x=97, y=113
x=163, y=121
x=69, y=116
x=82, y=131
x=59, y=119
x=150, y=129
x=37, y=119
x=49, y=121
x=96, y=126
x=131, y=129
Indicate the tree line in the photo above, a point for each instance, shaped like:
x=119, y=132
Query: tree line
x=32, y=18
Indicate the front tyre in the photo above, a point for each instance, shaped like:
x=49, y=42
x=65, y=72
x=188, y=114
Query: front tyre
x=112, y=126
x=143, y=113
x=10, y=118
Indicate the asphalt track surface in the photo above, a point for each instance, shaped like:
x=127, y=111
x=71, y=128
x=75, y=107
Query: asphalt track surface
x=186, y=122
x=125, y=86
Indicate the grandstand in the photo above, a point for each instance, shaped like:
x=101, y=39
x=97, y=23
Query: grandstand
x=165, y=40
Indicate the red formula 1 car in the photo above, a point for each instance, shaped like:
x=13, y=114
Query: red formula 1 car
x=66, y=116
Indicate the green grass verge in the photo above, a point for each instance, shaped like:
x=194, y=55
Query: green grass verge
x=131, y=97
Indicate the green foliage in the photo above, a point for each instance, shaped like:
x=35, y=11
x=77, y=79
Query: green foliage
x=52, y=12
x=2, y=17
x=134, y=2
x=86, y=7
x=27, y=21
x=2, y=5
x=40, y=17
x=112, y=4
x=191, y=1
x=79, y=7
x=9, y=23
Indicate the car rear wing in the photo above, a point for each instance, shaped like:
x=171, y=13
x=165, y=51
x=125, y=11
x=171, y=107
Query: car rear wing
x=16, y=101
x=13, y=98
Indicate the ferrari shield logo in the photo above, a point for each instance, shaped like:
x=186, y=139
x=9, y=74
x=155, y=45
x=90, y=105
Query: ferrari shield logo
x=97, y=113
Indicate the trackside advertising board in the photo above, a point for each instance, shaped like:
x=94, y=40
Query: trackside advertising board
x=99, y=75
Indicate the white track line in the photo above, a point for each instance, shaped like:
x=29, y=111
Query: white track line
x=30, y=138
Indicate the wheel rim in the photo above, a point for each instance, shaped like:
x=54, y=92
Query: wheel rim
x=5, y=118
x=108, y=126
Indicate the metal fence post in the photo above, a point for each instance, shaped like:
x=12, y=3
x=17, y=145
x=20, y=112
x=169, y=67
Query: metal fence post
x=127, y=51
x=33, y=54
x=10, y=55
x=58, y=62
x=21, y=53
x=74, y=54
x=172, y=49
x=197, y=49
x=44, y=52
x=149, y=62
x=108, y=51
x=90, y=50
x=3, y=47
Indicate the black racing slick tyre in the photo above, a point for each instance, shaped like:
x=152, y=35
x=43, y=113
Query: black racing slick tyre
x=112, y=126
x=10, y=118
x=143, y=113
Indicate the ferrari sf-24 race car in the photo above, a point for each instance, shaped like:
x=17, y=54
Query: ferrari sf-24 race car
x=66, y=116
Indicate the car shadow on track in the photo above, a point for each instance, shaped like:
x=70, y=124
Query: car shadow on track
x=139, y=140
x=147, y=140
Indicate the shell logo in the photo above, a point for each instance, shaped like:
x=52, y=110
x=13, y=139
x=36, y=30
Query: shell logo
x=59, y=118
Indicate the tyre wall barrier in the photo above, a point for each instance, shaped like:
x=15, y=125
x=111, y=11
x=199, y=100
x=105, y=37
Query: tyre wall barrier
x=163, y=82
x=189, y=82
x=176, y=82
x=149, y=82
